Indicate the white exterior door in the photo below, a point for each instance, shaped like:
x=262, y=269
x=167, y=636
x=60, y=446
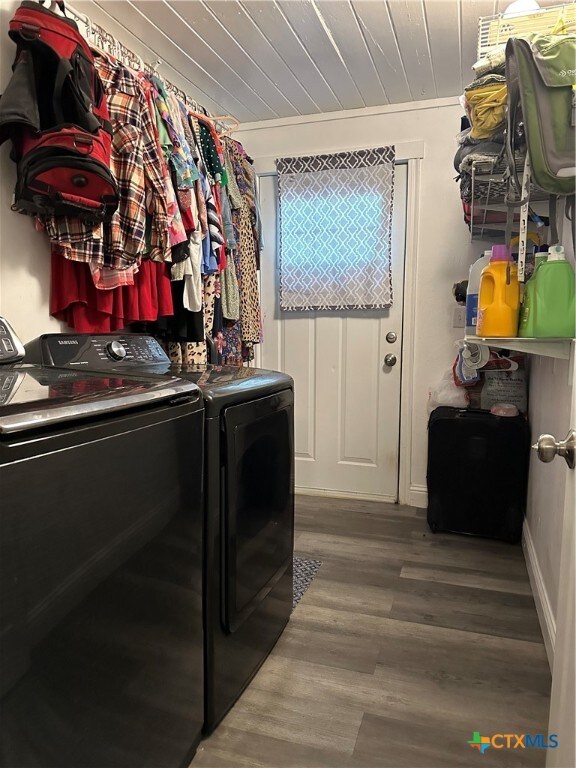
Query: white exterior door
x=347, y=398
x=562, y=705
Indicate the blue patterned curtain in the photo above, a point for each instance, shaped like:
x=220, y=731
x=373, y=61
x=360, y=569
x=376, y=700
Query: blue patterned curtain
x=335, y=230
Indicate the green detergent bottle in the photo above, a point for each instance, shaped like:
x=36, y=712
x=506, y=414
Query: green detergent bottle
x=554, y=313
x=526, y=325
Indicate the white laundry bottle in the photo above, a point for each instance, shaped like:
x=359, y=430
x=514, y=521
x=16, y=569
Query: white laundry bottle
x=472, y=292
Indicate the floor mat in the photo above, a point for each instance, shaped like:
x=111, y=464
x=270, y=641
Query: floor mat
x=304, y=572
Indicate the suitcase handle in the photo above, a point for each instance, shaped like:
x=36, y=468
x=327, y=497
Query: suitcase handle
x=464, y=412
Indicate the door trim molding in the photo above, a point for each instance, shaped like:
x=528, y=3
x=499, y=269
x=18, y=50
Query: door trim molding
x=543, y=607
x=407, y=494
x=343, y=495
x=417, y=497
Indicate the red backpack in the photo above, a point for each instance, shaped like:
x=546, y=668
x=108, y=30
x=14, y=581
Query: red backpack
x=54, y=110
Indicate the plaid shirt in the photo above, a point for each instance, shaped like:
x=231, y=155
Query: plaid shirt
x=114, y=249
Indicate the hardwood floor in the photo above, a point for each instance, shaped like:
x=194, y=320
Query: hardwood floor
x=405, y=643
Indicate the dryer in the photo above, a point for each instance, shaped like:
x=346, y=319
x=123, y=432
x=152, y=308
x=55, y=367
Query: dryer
x=101, y=525
x=249, y=499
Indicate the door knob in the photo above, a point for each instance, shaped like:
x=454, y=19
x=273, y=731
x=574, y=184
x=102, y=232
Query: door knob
x=390, y=360
x=548, y=447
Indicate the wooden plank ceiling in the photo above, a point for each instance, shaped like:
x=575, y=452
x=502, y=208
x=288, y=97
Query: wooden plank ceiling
x=266, y=59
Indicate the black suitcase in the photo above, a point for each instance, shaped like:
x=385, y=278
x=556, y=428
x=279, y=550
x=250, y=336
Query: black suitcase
x=477, y=473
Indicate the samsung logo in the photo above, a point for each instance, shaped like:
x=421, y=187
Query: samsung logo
x=68, y=341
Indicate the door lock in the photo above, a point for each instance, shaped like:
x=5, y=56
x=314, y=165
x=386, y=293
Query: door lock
x=390, y=360
x=391, y=337
x=548, y=447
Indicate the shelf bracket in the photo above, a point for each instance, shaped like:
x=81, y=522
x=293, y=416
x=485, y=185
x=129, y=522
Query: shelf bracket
x=525, y=197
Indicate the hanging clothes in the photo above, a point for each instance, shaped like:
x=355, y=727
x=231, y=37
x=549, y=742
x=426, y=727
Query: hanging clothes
x=234, y=193
x=75, y=299
x=226, y=213
x=190, y=271
x=113, y=249
x=180, y=158
x=215, y=227
x=162, y=232
x=209, y=262
x=247, y=255
x=195, y=353
x=210, y=153
x=179, y=257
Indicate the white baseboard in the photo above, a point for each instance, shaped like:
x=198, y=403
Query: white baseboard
x=417, y=496
x=344, y=495
x=543, y=607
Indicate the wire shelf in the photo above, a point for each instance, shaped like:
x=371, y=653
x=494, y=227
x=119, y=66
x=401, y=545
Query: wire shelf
x=495, y=30
x=489, y=181
x=491, y=194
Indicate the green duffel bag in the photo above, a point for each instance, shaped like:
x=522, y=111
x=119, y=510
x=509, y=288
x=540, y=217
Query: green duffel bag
x=541, y=79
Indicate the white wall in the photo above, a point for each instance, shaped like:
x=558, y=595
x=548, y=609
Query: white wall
x=544, y=527
x=24, y=253
x=443, y=249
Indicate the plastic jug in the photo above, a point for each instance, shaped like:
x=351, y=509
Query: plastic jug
x=499, y=297
x=472, y=292
x=526, y=325
x=553, y=299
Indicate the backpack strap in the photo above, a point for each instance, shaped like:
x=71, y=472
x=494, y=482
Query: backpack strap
x=89, y=121
x=568, y=206
x=553, y=212
x=569, y=211
x=513, y=103
x=63, y=71
x=509, y=223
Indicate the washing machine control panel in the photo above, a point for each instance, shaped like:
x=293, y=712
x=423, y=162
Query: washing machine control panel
x=96, y=351
x=11, y=349
x=116, y=350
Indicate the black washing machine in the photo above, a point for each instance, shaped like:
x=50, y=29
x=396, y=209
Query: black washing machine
x=249, y=496
x=101, y=524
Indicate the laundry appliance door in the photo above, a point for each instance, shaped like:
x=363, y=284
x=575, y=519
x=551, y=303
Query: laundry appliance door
x=101, y=655
x=258, y=502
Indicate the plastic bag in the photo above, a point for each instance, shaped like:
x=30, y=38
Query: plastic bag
x=447, y=393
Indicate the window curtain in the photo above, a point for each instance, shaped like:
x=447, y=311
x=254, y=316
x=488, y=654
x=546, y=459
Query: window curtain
x=335, y=223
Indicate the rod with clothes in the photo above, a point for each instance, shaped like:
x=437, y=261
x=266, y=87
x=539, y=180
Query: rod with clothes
x=179, y=255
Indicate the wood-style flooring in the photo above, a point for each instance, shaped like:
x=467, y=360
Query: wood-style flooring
x=405, y=643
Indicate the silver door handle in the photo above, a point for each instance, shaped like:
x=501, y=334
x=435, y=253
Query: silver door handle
x=390, y=360
x=548, y=447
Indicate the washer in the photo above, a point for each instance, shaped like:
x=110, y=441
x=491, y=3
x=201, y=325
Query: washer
x=101, y=525
x=249, y=495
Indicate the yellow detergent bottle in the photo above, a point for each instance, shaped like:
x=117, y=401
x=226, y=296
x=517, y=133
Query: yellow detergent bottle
x=499, y=296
